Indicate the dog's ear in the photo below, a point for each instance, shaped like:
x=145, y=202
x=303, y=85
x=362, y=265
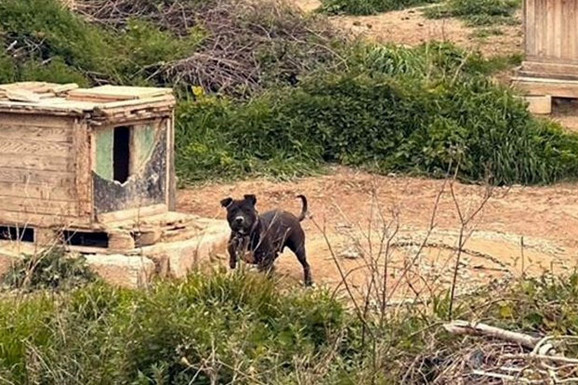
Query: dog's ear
x=226, y=202
x=251, y=198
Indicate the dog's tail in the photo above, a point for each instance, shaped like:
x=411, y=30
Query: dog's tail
x=304, y=209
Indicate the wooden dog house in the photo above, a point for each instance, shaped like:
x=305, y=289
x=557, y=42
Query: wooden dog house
x=550, y=68
x=83, y=160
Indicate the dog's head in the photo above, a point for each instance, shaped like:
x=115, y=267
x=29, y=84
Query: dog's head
x=241, y=213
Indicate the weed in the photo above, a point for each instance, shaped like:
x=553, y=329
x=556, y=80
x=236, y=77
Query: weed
x=484, y=33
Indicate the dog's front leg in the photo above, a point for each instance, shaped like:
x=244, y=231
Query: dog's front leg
x=232, y=248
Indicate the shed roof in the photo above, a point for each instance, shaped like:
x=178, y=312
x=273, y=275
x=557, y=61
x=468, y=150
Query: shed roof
x=69, y=99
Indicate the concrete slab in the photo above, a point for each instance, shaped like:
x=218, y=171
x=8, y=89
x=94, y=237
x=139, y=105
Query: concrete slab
x=176, y=259
x=120, y=270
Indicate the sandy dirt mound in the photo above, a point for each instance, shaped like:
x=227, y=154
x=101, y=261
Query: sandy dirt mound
x=520, y=229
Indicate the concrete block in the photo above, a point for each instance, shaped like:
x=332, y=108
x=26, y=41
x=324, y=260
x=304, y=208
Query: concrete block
x=176, y=259
x=122, y=270
x=539, y=105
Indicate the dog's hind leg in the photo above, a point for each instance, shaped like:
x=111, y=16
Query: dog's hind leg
x=301, y=255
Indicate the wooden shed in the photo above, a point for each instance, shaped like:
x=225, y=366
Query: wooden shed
x=550, y=68
x=82, y=160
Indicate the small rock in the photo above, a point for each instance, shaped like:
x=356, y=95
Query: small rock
x=420, y=24
x=351, y=253
x=357, y=23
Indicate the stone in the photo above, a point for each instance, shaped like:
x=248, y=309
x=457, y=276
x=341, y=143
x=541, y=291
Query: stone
x=177, y=259
x=121, y=270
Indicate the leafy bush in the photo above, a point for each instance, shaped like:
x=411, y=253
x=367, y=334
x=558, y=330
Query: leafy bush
x=424, y=111
x=478, y=12
x=50, y=269
x=242, y=327
x=176, y=333
x=369, y=7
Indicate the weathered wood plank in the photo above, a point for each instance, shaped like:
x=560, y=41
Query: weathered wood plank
x=131, y=214
x=550, y=29
x=24, y=147
x=82, y=171
x=25, y=176
x=38, y=206
x=8, y=119
x=35, y=133
x=37, y=163
x=529, y=29
x=572, y=31
x=546, y=70
x=37, y=191
x=557, y=29
x=540, y=25
x=551, y=87
x=172, y=183
x=39, y=220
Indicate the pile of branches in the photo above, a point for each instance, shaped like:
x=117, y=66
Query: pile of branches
x=249, y=44
x=497, y=356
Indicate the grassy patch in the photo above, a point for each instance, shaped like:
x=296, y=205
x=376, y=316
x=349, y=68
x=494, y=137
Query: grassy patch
x=484, y=33
x=478, y=12
x=369, y=7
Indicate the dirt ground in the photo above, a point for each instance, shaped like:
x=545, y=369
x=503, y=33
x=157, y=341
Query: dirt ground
x=520, y=229
x=410, y=27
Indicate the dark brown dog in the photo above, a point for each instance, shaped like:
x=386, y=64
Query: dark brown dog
x=265, y=235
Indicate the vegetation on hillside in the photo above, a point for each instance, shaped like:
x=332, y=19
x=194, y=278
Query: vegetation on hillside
x=226, y=46
x=267, y=91
x=424, y=109
x=243, y=328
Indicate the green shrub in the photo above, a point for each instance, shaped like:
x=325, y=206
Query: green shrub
x=369, y=7
x=169, y=334
x=50, y=269
x=478, y=12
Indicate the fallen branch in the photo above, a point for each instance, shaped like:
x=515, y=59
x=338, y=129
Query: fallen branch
x=480, y=329
x=514, y=379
